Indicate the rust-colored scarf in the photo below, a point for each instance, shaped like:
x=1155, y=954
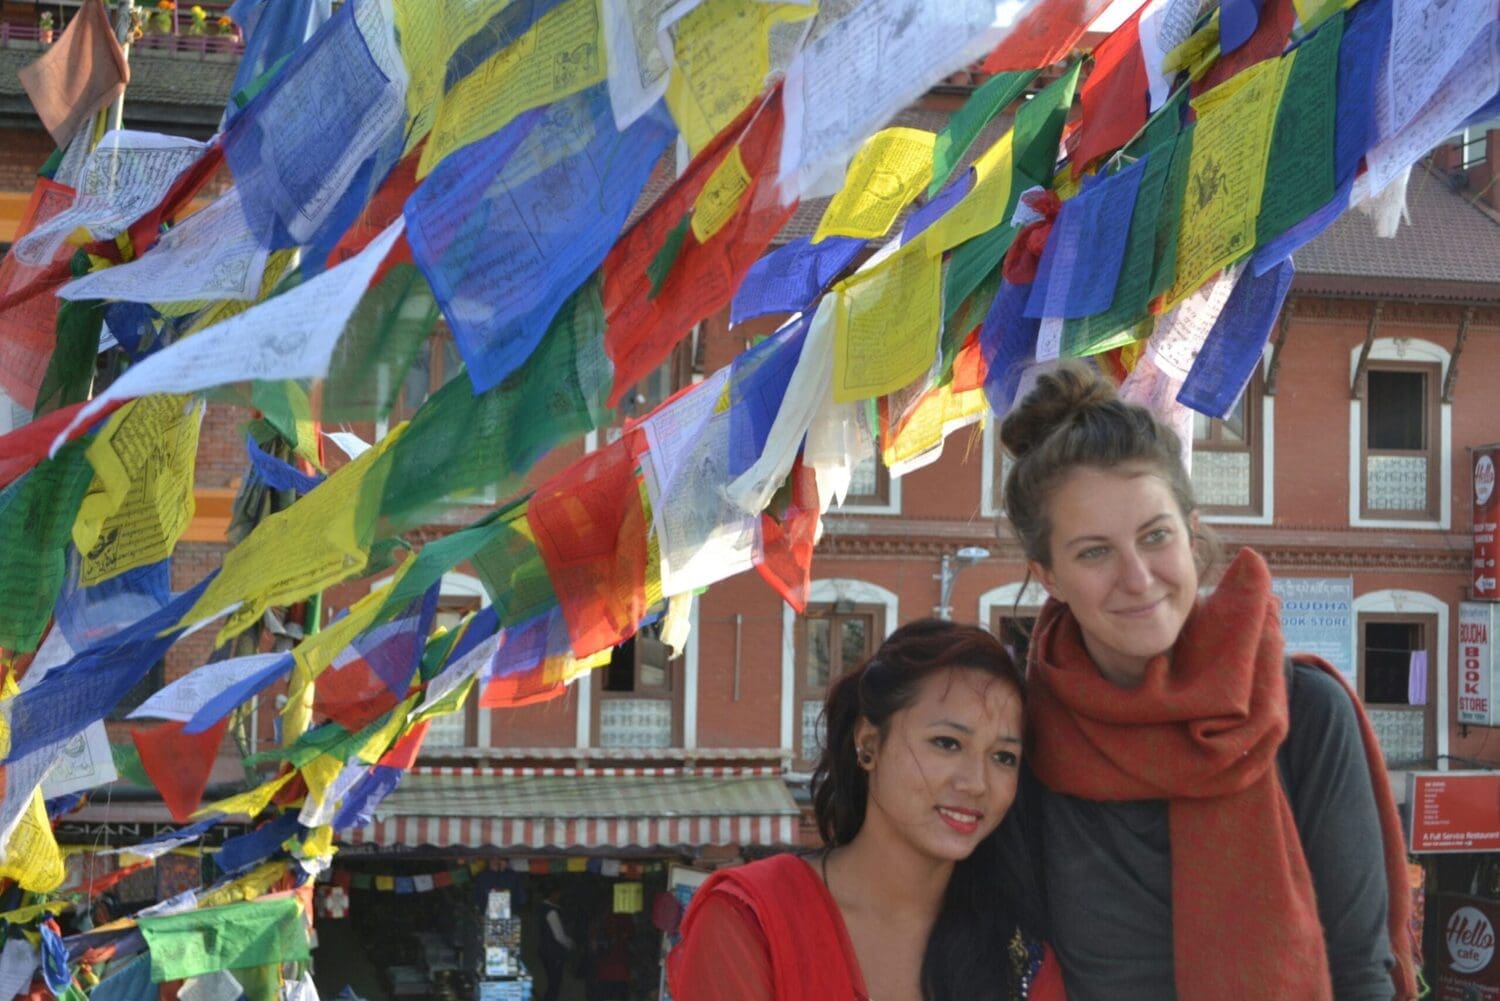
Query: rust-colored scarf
x=1202, y=733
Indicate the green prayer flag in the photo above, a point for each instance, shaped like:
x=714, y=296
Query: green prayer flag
x=1168, y=220
x=1100, y=332
x=259, y=983
x=514, y=575
x=459, y=443
x=70, y=370
x=1038, y=133
x=661, y=265
x=127, y=761
x=436, y=558
x=972, y=262
x=382, y=349
x=1162, y=127
x=987, y=101
x=254, y=933
x=36, y=520
x=1300, y=168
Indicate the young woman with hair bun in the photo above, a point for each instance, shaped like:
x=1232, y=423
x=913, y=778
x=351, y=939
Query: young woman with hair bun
x=912, y=899
x=1214, y=820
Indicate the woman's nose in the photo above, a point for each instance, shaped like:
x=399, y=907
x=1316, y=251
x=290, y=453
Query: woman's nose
x=1135, y=573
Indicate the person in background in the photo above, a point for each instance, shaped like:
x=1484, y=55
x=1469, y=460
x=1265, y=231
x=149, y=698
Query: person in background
x=921, y=757
x=555, y=944
x=1215, y=819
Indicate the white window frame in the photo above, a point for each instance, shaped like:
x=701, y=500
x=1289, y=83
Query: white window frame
x=1403, y=601
x=827, y=591
x=1267, y=432
x=1410, y=349
x=1004, y=597
x=990, y=505
x=891, y=506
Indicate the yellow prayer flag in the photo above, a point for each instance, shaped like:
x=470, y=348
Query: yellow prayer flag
x=886, y=324
x=250, y=803
x=31, y=856
x=319, y=774
x=983, y=208
x=318, y=843
x=320, y=540
x=381, y=740
x=1226, y=174
x=890, y=169
x=721, y=56
x=248, y=887
x=938, y=414
x=562, y=54
x=141, y=499
x=578, y=865
x=386, y=883
x=1197, y=53
x=630, y=898
x=720, y=196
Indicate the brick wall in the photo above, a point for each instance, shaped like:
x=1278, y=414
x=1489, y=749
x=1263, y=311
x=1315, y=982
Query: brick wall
x=22, y=153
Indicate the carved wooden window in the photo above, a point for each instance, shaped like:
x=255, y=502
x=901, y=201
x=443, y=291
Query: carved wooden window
x=1399, y=441
x=1227, y=457
x=832, y=639
x=1397, y=679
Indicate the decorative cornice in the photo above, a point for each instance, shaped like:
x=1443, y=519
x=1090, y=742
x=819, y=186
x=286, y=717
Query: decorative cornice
x=1395, y=311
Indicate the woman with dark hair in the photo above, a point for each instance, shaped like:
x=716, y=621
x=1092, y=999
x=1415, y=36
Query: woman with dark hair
x=919, y=766
x=1215, y=819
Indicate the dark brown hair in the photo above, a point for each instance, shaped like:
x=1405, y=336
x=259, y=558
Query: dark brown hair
x=1073, y=417
x=966, y=954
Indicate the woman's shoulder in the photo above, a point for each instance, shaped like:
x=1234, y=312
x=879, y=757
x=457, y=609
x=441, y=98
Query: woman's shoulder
x=763, y=879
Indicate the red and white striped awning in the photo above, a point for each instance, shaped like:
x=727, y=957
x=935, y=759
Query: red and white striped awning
x=552, y=808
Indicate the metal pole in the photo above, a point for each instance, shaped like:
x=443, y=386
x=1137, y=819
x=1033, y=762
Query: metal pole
x=123, y=18
x=946, y=576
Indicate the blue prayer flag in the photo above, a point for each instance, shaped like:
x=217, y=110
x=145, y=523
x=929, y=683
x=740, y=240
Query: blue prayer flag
x=89, y=615
x=791, y=277
x=1233, y=347
x=277, y=473
x=243, y=851
x=506, y=228
x=358, y=807
x=757, y=386
x=1081, y=262
x=222, y=704
x=272, y=31
x=1007, y=339
x=935, y=209
x=1362, y=57
x=1238, y=20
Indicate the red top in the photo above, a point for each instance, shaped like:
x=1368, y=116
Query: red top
x=765, y=931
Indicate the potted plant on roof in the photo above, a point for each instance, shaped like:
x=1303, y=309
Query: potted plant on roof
x=199, y=26
x=44, y=27
x=164, y=18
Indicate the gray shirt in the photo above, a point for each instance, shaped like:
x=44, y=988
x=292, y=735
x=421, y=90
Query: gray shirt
x=1108, y=866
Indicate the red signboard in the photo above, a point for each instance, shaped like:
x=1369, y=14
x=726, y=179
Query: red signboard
x=1454, y=811
x=1486, y=518
x=1468, y=968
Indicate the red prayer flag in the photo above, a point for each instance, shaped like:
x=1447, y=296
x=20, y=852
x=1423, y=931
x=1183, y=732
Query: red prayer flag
x=353, y=696
x=1116, y=96
x=384, y=208
x=642, y=327
x=1045, y=34
x=969, y=368
x=591, y=531
x=178, y=763
x=786, y=547
x=80, y=73
x=403, y=753
x=28, y=307
x=23, y=448
x=442, y=879
x=1277, y=18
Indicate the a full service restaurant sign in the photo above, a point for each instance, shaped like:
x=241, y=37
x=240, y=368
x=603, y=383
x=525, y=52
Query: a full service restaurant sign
x=1453, y=811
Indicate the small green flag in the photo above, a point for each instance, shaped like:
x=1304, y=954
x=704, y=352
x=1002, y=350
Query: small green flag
x=987, y=101
x=255, y=933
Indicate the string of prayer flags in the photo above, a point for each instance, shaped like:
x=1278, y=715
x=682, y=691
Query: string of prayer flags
x=459, y=443
x=790, y=278
x=72, y=696
x=525, y=668
x=1232, y=349
x=965, y=124
x=835, y=111
x=1226, y=174
x=254, y=933
x=722, y=56
x=1044, y=34
x=1426, y=44
x=372, y=675
x=1115, y=96
x=1267, y=41
x=178, y=763
x=557, y=56
x=127, y=175
x=1080, y=266
x=887, y=322
x=307, y=321
x=224, y=697
x=931, y=211
x=36, y=515
x=1300, y=167
x=885, y=175
x=589, y=526
x=641, y=330
x=1365, y=35
x=81, y=72
x=292, y=155
x=506, y=228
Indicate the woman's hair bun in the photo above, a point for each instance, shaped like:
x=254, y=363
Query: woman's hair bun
x=1060, y=391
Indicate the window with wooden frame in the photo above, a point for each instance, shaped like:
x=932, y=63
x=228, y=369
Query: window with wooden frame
x=1399, y=452
x=1227, y=457
x=832, y=639
x=1397, y=679
x=1012, y=627
x=638, y=697
x=869, y=484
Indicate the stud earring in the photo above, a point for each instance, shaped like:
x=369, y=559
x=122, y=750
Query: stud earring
x=865, y=757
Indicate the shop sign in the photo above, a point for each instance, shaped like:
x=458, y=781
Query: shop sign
x=1453, y=811
x=1317, y=617
x=1486, y=517
x=1468, y=969
x=1476, y=662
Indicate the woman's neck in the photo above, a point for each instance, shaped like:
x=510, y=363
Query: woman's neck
x=885, y=875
